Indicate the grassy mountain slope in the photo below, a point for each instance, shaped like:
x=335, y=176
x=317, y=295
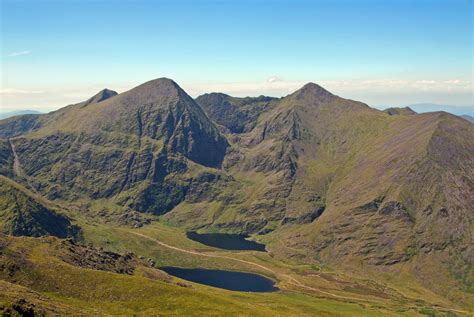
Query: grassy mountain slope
x=54, y=277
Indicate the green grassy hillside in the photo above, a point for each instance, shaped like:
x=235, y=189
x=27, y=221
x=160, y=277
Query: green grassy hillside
x=49, y=281
x=23, y=213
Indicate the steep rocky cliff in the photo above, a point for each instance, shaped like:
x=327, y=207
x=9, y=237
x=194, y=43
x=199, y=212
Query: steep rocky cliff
x=236, y=114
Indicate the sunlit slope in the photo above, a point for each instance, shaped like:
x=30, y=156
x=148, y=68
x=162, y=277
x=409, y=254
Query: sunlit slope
x=60, y=277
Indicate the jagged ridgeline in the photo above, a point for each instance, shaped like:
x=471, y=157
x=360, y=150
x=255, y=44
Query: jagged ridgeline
x=319, y=176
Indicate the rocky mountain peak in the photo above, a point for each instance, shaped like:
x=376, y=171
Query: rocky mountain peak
x=159, y=88
x=101, y=96
x=395, y=111
x=312, y=90
x=311, y=93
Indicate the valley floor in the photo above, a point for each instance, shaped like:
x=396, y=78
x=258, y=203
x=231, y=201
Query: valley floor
x=305, y=290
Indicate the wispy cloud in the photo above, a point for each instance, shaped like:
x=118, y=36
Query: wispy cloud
x=278, y=86
x=14, y=92
x=15, y=54
x=426, y=82
x=274, y=79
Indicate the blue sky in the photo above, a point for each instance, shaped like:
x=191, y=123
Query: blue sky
x=380, y=52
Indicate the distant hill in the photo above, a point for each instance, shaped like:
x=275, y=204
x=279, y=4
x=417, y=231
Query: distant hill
x=467, y=117
x=431, y=107
x=17, y=113
x=395, y=111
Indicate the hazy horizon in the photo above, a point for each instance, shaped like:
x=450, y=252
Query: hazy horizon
x=420, y=106
x=382, y=53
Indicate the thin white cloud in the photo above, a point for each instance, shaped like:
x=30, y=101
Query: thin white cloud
x=424, y=81
x=14, y=92
x=277, y=86
x=15, y=54
x=274, y=79
x=453, y=81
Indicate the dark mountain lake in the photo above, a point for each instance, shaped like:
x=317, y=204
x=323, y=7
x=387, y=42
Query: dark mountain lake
x=230, y=280
x=226, y=241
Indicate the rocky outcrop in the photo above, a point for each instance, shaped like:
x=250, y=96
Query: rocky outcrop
x=95, y=258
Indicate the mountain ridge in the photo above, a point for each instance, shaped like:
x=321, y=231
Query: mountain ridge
x=323, y=179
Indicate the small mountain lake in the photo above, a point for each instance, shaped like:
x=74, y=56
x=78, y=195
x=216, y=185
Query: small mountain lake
x=226, y=241
x=230, y=280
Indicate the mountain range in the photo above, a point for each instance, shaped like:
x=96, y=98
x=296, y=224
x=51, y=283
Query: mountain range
x=430, y=107
x=9, y=114
x=321, y=180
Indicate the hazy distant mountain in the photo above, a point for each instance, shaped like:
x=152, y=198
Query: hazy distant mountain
x=395, y=111
x=431, y=107
x=17, y=113
x=467, y=117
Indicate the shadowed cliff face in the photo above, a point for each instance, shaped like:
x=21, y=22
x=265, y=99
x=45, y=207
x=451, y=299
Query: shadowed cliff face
x=236, y=114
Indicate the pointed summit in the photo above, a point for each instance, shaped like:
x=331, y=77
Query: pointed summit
x=312, y=90
x=104, y=94
x=158, y=83
x=309, y=95
x=101, y=96
x=158, y=109
x=157, y=89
